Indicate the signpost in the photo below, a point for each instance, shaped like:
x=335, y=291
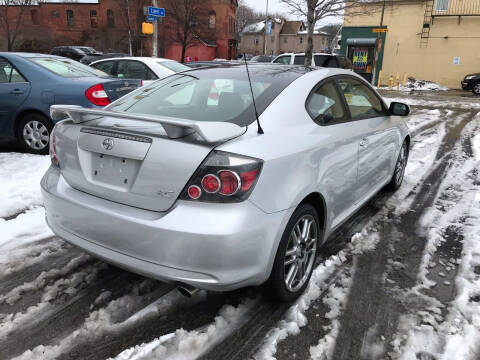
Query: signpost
x=154, y=15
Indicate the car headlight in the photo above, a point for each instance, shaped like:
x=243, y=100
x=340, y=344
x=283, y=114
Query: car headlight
x=469, y=77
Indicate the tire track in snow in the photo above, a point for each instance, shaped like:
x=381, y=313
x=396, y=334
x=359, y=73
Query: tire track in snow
x=398, y=255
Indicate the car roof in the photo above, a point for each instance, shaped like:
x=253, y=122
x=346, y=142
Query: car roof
x=29, y=55
x=138, y=58
x=302, y=53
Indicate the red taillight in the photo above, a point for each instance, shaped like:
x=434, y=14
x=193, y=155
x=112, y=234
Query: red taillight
x=53, y=151
x=223, y=178
x=248, y=179
x=194, y=192
x=230, y=182
x=211, y=183
x=97, y=95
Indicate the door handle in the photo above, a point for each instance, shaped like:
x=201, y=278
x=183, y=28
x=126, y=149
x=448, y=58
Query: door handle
x=17, y=92
x=364, y=142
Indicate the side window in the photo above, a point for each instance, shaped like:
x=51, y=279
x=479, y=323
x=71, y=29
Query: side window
x=132, y=70
x=325, y=105
x=321, y=60
x=299, y=60
x=332, y=62
x=283, y=60
x=8, y=74
x=361, y=100
x=106, y=67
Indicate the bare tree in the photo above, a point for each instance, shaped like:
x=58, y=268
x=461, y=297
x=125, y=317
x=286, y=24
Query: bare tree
x=185, y=15
x=316, y=10
x=245, y=16
x=11, y=17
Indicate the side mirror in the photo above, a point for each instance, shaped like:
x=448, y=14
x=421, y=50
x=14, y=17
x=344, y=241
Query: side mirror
x=399, y=109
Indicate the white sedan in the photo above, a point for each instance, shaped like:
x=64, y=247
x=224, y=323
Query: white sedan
x=147, y=69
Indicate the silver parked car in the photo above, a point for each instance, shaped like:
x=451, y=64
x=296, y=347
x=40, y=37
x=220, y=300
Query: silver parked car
x=177, y=181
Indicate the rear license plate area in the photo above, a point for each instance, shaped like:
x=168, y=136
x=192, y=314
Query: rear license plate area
x=113, y=170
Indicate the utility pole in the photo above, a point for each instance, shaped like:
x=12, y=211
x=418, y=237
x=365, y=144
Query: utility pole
x=378, y=46
x=130, y=51
x=155, y=32
x=265, y=32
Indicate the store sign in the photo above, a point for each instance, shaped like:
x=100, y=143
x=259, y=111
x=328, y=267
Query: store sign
x=360, y=58
x=380, y=30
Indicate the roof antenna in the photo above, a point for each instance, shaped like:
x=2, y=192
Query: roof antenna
x=260, y=130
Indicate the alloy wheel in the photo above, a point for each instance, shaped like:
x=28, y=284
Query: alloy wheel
x=300, y=253
x=36, y=135
x=400, y=166
x=476, y=88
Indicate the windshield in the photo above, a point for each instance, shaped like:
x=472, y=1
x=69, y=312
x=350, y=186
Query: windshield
x=173, y=65
x=213, y=94
x=68, y=68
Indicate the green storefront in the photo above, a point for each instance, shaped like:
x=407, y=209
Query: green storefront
x=359, y=44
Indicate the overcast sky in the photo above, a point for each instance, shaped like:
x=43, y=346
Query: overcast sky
x=276, y=6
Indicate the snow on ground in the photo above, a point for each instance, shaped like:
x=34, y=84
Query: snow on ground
x=418, y=85
x=437, y=104
x=20, y=176
x=186, y=345
x=457, y=335
x=25, y=228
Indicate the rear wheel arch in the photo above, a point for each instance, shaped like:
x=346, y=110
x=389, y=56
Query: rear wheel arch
x=318, y=202
x=24, y=113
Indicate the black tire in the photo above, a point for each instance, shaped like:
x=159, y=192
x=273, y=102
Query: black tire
x=33, y=133
x=476, y=88
x=276, y=286
x=398, y=173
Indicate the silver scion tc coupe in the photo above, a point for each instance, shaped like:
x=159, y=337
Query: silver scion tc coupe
x=178, y=182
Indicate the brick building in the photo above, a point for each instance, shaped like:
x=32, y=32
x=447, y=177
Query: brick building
x=285, y=36
x=103, y=24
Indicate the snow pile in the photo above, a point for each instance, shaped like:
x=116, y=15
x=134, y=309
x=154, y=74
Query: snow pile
x=24, y=229
x=21, y=175
x=187, y=345
x=295, y=318
x=418, y=85
x=254, y=28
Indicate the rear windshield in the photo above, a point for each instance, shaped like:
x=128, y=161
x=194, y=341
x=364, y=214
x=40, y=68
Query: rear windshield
x=174, y=66
x=212, y=94
x=68, y=68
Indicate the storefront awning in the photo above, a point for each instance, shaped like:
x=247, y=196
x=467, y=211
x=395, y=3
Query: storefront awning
x=361, y=41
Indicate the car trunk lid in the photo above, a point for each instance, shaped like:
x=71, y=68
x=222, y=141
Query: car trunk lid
x=130, y=161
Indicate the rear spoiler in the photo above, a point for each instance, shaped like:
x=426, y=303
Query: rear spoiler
x=209, y=131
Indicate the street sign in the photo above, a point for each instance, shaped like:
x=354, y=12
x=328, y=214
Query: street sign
x=156, y=11
x=379, y=30
x=151, y=18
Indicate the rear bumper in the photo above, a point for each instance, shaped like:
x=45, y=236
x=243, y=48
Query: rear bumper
x=216, y=247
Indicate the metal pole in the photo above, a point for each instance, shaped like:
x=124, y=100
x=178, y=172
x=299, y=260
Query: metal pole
x=130, y=52
x=265, y=32
x=155, y=33
x=377, y=50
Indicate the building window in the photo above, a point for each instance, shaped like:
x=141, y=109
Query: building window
x=255, y=41
x=285, y=39
x=34, y=15
x=110, y=18
x=194, y=22
x=212, y=20
x=301, y=40
x=441, y=5
x=55, y=14
x=272, y=38
x=93, y=18
x=70, y=18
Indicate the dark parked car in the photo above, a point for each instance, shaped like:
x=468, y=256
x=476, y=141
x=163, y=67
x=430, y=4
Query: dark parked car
x=31, y=83
x=88, y=59
x=263, y=58
x=200, y=64
x=471, y=82
x=70, y=52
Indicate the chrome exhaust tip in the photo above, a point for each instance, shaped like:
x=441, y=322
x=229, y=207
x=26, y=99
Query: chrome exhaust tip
x=187, y=290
